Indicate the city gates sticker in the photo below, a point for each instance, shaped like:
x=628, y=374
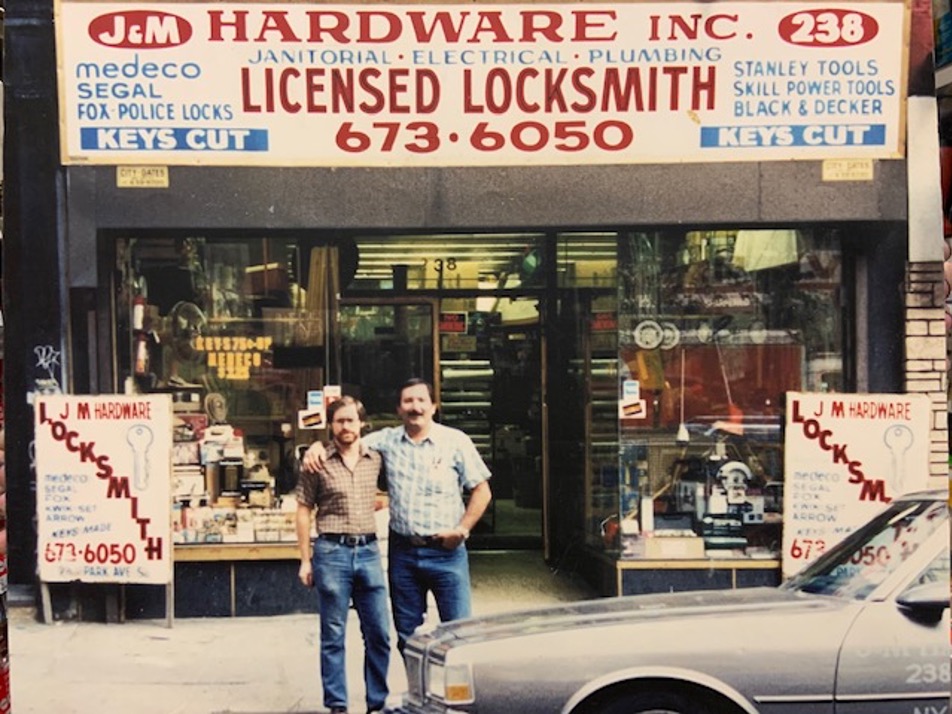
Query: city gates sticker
x=269, y=84
x=845, y=457
x=103, y=501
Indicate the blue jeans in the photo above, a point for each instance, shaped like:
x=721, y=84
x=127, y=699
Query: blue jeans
x=413, y=572
x=342, y=573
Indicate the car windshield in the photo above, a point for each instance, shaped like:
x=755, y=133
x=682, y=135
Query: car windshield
x=866, y=557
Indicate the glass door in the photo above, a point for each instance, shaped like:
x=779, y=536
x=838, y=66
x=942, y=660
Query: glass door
x=491, y=388
x=382, y=344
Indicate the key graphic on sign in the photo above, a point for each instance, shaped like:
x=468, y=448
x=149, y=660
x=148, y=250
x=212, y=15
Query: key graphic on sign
x=899, y=438
x=140, y=438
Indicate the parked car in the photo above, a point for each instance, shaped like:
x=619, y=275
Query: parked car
x=862, y=630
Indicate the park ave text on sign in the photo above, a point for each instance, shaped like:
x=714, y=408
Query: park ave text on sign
x=432, y=85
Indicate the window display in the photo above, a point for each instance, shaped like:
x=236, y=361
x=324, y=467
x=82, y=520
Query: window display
x=237, y=331
x=713, y=328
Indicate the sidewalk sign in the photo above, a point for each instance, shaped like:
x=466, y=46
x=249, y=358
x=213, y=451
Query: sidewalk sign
x=845, y=457
x=103, y=480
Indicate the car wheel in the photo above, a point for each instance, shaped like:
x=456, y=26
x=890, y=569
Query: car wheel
x=651, y=703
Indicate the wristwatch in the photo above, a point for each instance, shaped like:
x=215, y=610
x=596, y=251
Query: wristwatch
x=464, y=530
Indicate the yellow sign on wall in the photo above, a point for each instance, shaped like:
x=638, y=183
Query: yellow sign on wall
x=142, y=176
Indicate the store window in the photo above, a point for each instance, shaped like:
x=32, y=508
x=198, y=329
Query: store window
x=713, y=328
x=237, y=331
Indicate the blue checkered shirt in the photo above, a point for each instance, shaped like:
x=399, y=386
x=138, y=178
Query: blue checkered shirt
x=426, y=479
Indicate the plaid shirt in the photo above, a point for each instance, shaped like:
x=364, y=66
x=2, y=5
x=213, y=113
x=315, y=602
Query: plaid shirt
x=426, y=479
x=344, y=498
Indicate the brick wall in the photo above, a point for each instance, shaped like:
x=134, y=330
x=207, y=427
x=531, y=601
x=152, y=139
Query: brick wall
x=926, y=352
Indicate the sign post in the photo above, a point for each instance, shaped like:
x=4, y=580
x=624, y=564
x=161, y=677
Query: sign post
x=103, y=484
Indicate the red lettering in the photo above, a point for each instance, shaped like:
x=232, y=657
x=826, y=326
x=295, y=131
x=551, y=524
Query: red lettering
x=491, y=22
x=70, y=439
x=795, y=416
x=711, y=31
x=337, y=30
x=874, y=491
x=289, y=106
x=521, y=90
x=246, y=104
x=586, y=20
x=839, y=454
x=678, y=27
x=105, y=468
x=548, y=26
x=392, y=33
x=276, y=21
x=444, y=19
x=426, y=26
x=153, y=548
x=118, y=487
x=238, y=23
x=378, y=97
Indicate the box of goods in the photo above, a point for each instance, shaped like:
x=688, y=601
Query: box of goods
x=266, y=279
x=187, y=426
x=188, y=482
x=257, y=493
x=221, y=526
x=273, y=525
x=245, y=527
x=673, y=547
x=186, y=453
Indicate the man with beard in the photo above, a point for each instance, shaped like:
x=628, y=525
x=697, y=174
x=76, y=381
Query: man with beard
x=346, y=563
x=429, y=466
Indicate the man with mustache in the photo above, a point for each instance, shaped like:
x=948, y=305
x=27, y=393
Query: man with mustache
x=428, y=466
x=346, y=563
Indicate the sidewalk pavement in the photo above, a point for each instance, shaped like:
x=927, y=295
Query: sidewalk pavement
x=246, y=665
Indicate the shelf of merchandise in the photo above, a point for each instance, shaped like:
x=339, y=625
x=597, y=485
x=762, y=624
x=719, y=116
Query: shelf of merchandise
x=466, y=400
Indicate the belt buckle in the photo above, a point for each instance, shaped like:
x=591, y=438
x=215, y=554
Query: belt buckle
x=419, y=541
x=352, y=540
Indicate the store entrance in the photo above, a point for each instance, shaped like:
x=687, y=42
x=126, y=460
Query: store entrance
x=484, y=359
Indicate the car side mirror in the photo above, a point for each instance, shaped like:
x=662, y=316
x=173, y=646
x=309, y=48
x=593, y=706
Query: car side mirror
x=925, y=602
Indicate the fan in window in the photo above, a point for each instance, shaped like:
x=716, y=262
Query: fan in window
x=187, y=323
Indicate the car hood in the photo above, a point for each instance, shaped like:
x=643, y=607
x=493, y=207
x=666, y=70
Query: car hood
x=629, y=610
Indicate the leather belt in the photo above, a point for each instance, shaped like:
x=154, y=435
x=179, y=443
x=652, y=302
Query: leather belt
x=416, y=541
x=349, y=539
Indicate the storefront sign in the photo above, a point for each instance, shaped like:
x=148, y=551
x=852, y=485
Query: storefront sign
x=315, y=415
x=846, y=456
x=453, y=322
x=142, y=176
x=848, y=170
x=103, y=478
x=458, y=343
x=631, y=405
x=604, y=322
x=472, y=85
x=233, y=357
